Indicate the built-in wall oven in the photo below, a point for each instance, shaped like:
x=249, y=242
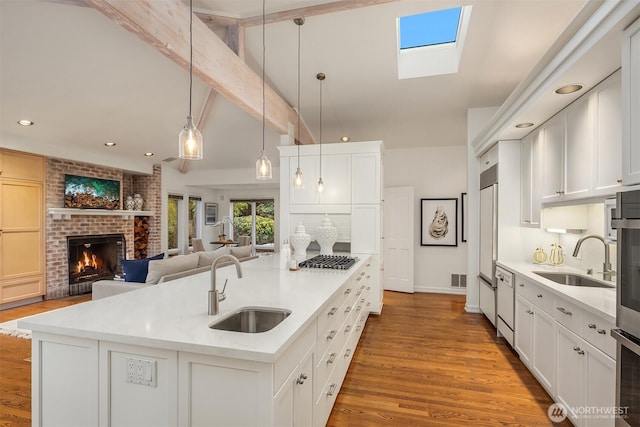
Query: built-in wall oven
x=627, y=223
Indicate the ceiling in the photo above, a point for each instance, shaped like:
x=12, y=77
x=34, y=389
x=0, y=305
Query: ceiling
x=84, y=80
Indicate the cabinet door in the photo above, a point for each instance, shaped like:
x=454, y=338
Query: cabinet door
x=579, y=137
x=600, y=387
x=18, y=165
x=608, y=136
x=570, y=381
x=365, y=178
x=525, y=181
x=365, y=229
x=536, y=176
x=631, y=104
x=553, y=155
x=524, y=330
x=293, y=403
x=336, y=174
x=544, y=355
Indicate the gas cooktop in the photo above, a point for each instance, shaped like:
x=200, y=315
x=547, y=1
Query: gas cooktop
x=333, y=262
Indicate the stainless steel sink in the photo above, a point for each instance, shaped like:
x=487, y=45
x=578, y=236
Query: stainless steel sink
x=572, y=279
x=251, y=320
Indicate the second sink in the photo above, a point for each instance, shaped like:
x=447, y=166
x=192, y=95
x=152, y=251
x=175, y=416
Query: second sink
x=251, y=320
x=572, y=279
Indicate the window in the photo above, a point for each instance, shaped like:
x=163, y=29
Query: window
x=195, y=208
x=431, y=44
x=429, y=29
x=173, y=222
x=254, y=220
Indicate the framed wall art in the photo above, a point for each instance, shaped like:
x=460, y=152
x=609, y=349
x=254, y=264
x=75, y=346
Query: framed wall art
x=210, y=213
x=439, y=222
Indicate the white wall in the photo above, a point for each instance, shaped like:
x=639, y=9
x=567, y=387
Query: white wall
x=434, y=172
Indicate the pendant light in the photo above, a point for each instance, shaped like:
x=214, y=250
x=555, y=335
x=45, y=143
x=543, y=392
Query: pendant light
x=321, y=77
x=263, y=165
x=190, y=138
x=297, y=178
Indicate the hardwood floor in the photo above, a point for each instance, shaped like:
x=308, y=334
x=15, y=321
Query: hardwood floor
x=424, y=362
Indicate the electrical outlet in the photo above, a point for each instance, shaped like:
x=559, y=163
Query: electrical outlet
x=141, y=371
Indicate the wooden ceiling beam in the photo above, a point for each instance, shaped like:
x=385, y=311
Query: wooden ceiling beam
x=320, y=9
x=165, y=26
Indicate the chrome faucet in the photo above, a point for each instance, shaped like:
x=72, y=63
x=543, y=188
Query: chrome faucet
x=607, y=272
x=214, y=295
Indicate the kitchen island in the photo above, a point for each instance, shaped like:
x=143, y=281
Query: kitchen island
x=148, y=357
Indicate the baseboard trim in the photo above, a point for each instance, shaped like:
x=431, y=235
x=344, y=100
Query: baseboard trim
x=14, y=304
x=431, y=290
x=472, y=309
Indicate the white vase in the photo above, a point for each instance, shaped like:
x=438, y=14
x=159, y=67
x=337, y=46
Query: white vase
x=300, y=241
x=137, y=202
x=327, y=236
x=128, y=204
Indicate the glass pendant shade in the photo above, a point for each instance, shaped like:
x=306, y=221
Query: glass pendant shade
x=263, y=167
x=297, y=179
x=190, y=141
x=320, y=185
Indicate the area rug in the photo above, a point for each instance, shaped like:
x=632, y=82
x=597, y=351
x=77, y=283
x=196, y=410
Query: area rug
x=11, y=328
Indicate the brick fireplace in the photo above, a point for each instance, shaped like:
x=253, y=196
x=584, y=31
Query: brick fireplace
x=58, y=230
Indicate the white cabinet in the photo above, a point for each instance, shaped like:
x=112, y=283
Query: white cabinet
x=586, y=378
x=554, y=133
x=531, y=182
x=365, y=178
x=293, y=403
x=535, y=340
x=489, y=159
x=365, y=229
x=631, y=104
x=336, y=173
x=578, y=149
x=607, y=113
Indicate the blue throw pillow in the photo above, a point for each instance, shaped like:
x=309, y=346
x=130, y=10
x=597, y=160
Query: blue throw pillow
x=135, y=270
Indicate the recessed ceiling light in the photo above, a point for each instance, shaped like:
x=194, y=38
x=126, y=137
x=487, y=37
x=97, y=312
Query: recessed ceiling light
x=149, y=154
x=25, y=122
x=524, y=125
x=110, y=144
x=345, y=139
x=568, y=89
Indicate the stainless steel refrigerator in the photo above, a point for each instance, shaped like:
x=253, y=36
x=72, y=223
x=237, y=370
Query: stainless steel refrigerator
x=488, y=241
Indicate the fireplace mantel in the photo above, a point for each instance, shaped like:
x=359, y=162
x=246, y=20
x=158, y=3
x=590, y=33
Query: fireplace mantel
x=67, y=213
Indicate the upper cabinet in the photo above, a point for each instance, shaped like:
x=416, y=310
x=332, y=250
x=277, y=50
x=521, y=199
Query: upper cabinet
x=631, y=105
x=365, y=178
x=336, y=174
x=531, y=178
x=581, y=146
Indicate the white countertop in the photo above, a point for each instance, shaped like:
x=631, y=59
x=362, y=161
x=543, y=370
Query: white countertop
x=600, y=301
x=173, y=315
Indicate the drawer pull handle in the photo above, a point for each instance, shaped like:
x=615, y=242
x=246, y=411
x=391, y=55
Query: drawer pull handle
x=539, y=295
x=332, y=334
x=358, y=279
x=347, y=353
x=362, y=287
x=359, y=308
x=576, y=348
x=362, y=300
x=347, y=310
x=592, y=325
x=564, y=311
x=332, y=389
x=369, y=265
x=358, y=293
x=358, y=328
x=363, y=273
x=347, y=329
x=368, y=277
x=332, y=311
x=529, y=312
x=521, y=285
x=301, y=379
x=348, y=291
x=580, y=352
x=332, y=358
x=602, y=331
x=368, y=288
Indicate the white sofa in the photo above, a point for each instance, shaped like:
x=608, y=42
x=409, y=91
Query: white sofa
x=165, y=270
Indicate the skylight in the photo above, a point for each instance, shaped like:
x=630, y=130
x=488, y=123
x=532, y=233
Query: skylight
x=430, y=28
x=431, y=44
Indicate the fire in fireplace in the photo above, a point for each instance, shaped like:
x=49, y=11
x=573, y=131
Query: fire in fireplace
x=93, y=258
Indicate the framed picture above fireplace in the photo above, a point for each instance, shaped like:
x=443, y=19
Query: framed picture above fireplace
x=91, y=193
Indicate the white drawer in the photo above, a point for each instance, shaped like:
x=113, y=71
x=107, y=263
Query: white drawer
x=326, y=399
x=329, y=318
x=568, y=314
x=597, y=332
x=535, y=294
x=326, y=365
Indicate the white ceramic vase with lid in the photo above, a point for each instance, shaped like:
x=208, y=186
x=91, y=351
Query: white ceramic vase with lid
x=300, y=241
x=138, y=201
x=327, y=236
x=128, y=204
